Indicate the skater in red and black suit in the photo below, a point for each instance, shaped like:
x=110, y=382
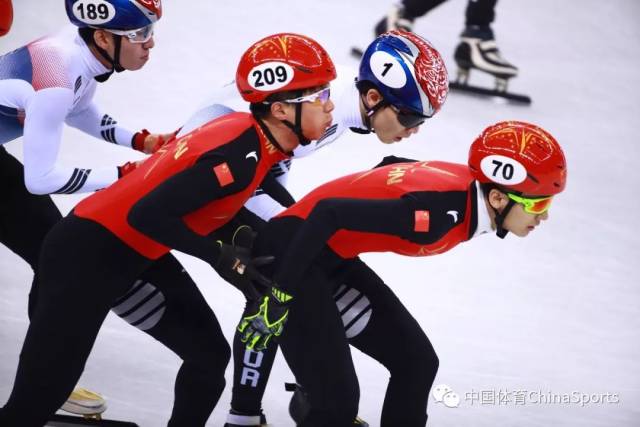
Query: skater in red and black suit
x=411, y=208
x=185, y=191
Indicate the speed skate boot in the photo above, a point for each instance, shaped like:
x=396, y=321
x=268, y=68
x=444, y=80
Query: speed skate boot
x=478, y=50
x=239, y=419
x=86, y=403
x=396, y=19
x=299, y=406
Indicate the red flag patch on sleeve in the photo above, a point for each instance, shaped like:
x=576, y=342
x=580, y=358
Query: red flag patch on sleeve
x=223, y=173
x=421, y=221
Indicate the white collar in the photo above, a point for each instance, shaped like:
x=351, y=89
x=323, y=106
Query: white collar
x=352, y=114
x=484, y=220
x=92, y=63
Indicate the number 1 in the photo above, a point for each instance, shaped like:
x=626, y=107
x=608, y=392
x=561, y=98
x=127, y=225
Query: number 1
x=387, y=67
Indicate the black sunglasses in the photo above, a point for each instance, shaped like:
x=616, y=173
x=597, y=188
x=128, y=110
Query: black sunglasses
x=407, y=118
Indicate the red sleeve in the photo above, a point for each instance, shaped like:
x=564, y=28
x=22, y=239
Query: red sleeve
x=216, y=174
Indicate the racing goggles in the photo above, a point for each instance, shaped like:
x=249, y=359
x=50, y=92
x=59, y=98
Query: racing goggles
x=535, y=206
x=317, y=98
x=141, y=35
x=407, y=118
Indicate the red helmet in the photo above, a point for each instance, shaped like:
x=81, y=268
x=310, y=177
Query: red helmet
x=282, y=62
x=6, y=16
x=519, y=156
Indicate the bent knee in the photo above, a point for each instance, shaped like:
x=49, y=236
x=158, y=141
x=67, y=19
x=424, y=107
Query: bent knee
x=418, y=361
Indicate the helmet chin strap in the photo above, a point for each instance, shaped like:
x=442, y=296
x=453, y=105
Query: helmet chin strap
x=114, y=62
x=501, y=232
x=369, y=111
x=297, y=127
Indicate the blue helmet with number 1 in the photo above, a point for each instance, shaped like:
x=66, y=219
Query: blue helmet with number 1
x=113, y=14
x=407, y=70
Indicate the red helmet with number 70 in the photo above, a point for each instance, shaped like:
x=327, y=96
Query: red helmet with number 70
x=282, y=62
x=519, y=157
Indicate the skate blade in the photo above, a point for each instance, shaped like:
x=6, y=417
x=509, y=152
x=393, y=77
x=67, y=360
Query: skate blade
x=481, y=91
x=261, y=425
x=70, y=421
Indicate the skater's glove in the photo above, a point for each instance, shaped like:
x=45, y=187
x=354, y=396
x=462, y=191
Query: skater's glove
x=256, y=330
x=236, y=266
x=151, y=142
x=128, y=167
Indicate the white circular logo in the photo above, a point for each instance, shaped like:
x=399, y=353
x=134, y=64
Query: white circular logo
x=270, y=76
x=503, y=170
x=451, y=400
x=440, y=391
x=387, y=69
x=444, y=394
x=94, y=12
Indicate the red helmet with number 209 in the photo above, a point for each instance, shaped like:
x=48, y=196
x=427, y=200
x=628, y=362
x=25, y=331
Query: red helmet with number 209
x=282, y=62
x=519, y=157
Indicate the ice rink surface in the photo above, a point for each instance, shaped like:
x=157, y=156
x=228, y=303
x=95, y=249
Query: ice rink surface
x=514, y=322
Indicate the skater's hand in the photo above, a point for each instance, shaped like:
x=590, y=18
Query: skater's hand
x=151, y=142
x=128, y=167
x=257, y=329
x=236, y=266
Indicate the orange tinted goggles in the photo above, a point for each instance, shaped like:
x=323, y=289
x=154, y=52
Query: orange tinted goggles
x=535, y=206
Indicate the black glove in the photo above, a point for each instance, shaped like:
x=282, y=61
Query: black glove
x=266, y=320
x=236, y=266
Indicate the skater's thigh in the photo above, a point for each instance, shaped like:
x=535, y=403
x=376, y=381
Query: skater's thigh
x=376, y=321
x=314, y=343
x=25, y=218
x=166, y=303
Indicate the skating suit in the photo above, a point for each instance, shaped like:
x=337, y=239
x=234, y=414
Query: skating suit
x=43, y=85
x=409, y=208
x=414, y=209
x=204, y=178
x=346, y=115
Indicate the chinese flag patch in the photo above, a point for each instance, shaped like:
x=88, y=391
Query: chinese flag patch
x=223, y=173
x=422, y=221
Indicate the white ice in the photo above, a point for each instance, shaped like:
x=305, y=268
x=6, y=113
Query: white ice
x=557, y=312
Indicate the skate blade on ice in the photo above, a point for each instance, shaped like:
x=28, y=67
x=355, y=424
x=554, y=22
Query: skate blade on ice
x=486, y=92
x=461, y=84
x=71, y=421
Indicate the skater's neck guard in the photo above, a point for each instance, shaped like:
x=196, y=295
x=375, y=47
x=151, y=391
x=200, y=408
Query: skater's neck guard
x=268, y=134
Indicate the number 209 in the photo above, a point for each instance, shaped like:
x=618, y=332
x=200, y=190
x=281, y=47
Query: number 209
x=268, y=76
